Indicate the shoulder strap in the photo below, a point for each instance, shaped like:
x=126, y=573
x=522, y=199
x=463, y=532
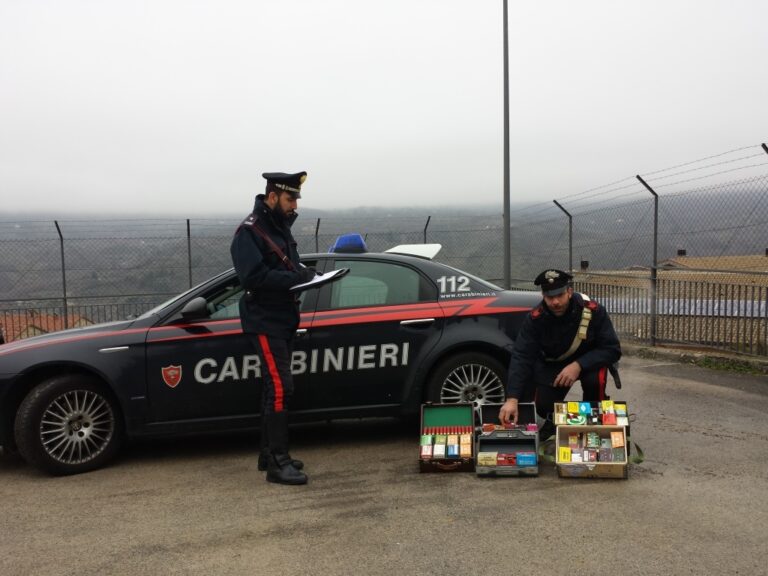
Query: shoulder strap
x=271, y=243
x=581, y=333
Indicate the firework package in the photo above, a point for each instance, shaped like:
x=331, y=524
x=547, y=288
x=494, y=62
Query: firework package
x=591, y=439
x=511, y=449
x=598, y=413
x=447, y=438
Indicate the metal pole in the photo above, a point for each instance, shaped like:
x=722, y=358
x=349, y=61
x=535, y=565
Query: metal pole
x=425, y=228
x=570, y=235
x=63, y=274
x=507, y=238
x=189, y=253
x=317, y=232
x=654, y=268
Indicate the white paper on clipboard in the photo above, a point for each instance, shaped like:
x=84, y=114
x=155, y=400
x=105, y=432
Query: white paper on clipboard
x=319, y=280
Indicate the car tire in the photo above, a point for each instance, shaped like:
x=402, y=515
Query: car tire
x=68, y=425
x=468, y=377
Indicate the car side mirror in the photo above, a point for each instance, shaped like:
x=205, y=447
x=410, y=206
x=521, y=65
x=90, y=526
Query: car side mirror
x=195, y=309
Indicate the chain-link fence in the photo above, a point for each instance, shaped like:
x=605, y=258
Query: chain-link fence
x=651, y=246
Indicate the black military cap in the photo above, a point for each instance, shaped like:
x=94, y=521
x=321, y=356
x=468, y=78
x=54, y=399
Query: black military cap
x=288, y=182
x=553, y=282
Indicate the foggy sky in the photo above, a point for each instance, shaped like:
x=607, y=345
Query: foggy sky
x=176, y=107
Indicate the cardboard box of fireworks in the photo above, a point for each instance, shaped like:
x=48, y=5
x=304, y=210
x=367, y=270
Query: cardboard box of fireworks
x=511, y=450
x=591, y=439
x=447, y=438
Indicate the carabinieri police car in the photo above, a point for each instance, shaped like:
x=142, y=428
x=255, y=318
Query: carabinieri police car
x=398, y=330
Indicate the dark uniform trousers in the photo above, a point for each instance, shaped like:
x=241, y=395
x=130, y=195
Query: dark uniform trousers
x=277, y=390
x=544, y=394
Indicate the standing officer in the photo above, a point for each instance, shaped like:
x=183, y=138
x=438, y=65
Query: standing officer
x=267, y=263
x=567, y=337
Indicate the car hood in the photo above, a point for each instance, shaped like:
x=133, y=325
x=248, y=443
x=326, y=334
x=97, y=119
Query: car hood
x=94, y=330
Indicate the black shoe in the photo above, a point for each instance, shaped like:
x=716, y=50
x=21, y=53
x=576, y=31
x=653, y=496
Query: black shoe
x=546, y=431
x=264, y=462
x=281, y=471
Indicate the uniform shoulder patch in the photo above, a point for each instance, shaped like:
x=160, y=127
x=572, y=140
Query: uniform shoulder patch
x=536, y=312
x=250, y=220
x=592, y=305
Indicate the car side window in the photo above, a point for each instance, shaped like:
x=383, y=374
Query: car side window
x=223, y=303
x=379, y=284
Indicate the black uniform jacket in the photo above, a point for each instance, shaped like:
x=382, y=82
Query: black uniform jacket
x=544, y=337
x=267, y=307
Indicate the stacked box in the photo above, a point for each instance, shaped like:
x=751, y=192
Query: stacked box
x=510, y=450
x=447, y=438
x=592, y=451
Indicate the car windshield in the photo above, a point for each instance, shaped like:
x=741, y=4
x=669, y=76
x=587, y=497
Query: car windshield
x=175, y=299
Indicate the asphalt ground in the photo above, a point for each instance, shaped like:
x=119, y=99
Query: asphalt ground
x=697, y=505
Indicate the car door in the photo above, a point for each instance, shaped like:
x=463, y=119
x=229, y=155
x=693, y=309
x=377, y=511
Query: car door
x=369, y=332
x=207, y=368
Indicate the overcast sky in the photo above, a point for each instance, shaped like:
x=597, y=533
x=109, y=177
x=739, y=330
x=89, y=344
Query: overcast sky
x=176, y=107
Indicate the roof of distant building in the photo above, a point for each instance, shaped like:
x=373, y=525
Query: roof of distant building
x=18, y=324
x=743, y=263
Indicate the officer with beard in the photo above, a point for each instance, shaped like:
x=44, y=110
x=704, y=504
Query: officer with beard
x=267, y=263
x=566, y=338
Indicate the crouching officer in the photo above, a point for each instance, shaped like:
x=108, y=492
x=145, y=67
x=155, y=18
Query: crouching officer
x=267, y=263
x=566, y=338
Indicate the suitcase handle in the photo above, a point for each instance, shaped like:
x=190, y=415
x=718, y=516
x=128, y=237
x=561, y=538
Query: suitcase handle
x=451, y=466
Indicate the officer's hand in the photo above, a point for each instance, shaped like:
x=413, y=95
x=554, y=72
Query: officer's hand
x=568, y=375
x=508, y=411
x=307, y=273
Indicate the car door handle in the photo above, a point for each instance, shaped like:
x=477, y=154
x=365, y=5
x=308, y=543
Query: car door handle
x=301, y=331
x=417, y=322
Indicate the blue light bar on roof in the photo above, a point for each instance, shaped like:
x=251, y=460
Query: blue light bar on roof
x=349, y=244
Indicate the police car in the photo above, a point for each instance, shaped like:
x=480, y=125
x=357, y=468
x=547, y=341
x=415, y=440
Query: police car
x=398, y=330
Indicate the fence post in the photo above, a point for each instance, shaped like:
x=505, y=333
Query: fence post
x=189, y=254
x=507, y=233
x=654, y=268
x=317, y=233
x=425, y=228
x=570, y=235
x=63, y=274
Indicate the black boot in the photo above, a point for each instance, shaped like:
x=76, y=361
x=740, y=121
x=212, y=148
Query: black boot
x=280, y=466
x=547, y=431
x=264, y=460
x=264, y=447
x=281, y=470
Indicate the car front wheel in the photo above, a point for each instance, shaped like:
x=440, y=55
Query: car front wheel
x=68, y=424
x=468, y=377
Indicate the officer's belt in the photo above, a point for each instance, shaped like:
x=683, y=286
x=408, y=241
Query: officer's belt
x=269, y=298
x=581, y=333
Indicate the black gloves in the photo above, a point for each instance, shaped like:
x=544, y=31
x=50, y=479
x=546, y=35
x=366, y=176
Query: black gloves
x=307, y=273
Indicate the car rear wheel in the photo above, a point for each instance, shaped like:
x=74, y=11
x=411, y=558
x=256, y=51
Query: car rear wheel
x=68, y=424
x=468, y=377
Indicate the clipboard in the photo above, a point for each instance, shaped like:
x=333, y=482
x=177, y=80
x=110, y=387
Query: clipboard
x=320, y=279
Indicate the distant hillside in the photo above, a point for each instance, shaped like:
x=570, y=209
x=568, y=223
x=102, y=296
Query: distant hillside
x=108, y=256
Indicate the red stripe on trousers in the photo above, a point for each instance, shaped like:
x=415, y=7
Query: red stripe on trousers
x=602, y=377
x=278, y=383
